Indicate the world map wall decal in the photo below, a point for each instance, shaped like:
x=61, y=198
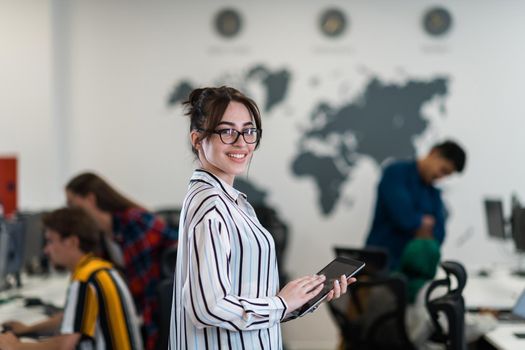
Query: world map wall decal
x=380, y=122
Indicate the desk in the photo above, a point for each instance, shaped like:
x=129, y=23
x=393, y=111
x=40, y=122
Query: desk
x=503, y=338
x=499, y=290
x=50, y=290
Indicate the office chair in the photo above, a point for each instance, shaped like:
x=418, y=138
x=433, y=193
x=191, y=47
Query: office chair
x=280, y=232
x=450, y=304
x=171, y=216
x=165, y=295
x=371, y=315
x=169, y=256
x=376, y=259
x=168, y=262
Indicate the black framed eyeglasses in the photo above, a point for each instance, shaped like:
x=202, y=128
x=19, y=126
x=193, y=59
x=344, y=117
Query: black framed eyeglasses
x=230, y=136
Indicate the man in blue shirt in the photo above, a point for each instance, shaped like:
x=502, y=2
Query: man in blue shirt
x=408, y=205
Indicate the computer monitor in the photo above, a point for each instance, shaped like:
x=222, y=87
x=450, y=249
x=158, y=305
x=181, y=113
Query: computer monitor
x=34, y=259
x=4, y=254
x=518, y=228
x=11, y=252
x=495, y=218
x=497, y=226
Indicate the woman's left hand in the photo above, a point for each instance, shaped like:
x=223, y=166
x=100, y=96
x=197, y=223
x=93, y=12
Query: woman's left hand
x=340, y=287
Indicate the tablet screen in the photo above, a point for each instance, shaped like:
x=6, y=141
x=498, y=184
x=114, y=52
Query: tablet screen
x=332, y=271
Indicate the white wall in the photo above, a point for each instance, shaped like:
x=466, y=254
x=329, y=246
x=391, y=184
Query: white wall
x=27, y=125
x=121, y=60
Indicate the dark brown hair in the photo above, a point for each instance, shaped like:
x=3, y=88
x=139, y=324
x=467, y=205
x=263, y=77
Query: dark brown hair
x=107, y=198
x=453, y=152
x=206, y=107
x=69, y=222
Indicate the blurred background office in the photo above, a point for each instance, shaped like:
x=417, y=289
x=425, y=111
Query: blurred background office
x=344, y=86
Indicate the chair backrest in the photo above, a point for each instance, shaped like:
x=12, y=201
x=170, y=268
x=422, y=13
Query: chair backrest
x=372, y=314
x=171, y=216
x=279, y=230
x=376, y=259
x=168, y=262
x=165, y=295
x=456, y=271
x=442, y=298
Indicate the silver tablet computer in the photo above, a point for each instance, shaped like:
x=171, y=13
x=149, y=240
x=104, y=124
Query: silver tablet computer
x=337, y=267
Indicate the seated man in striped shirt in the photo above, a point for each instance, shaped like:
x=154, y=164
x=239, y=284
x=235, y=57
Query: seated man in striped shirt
x=99, y=312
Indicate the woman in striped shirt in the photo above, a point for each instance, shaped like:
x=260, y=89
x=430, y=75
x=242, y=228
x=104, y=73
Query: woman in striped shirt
x=226, y=289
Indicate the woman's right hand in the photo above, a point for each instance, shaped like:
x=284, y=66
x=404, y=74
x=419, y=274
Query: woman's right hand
x=297, y=292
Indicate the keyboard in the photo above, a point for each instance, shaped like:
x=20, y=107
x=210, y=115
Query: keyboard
x=509, y=317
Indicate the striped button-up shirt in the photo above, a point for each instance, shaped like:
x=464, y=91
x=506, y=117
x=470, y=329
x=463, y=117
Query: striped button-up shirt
x=100, y=308
x=226, y=279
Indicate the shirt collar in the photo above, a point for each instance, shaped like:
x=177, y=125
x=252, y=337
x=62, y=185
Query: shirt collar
x=419, y=179
x=203, y=175
x=82, y=262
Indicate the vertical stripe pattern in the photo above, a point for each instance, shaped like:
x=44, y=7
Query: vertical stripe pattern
x=99, y=307
x=226, y=279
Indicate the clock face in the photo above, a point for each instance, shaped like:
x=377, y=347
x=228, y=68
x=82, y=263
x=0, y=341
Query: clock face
x=332, y=23
x=228, y=23
x=437, y=21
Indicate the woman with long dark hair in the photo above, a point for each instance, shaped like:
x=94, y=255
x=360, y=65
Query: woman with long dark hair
x=134, y=240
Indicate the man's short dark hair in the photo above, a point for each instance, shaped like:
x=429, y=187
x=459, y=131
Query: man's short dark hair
x=69, y=222
x=452, y=152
